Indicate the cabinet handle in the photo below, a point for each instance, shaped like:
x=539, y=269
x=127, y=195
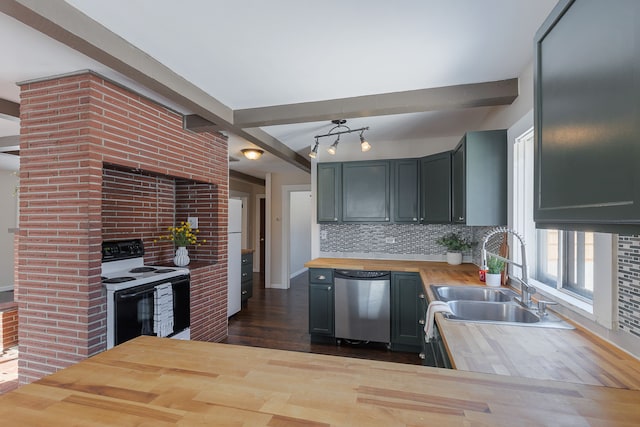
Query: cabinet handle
x=421, y=219
x=245, y=274
x=386, y=219
x=335, y=219
x=321, y=277
x=421, y=356
x=244, y=292
x=244, y=261
x=460, y=218
x=421, y=296
x=415, y=219
x=421, y=321
x=329, y=288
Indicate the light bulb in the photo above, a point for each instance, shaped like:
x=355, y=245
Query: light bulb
x=314, y=153
x=334, y=147
x=364, y=145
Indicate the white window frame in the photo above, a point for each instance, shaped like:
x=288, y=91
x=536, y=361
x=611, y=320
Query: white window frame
x=603, y=308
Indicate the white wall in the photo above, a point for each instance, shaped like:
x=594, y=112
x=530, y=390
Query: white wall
x=274, y=277
x=299, y=231
x=8, y=220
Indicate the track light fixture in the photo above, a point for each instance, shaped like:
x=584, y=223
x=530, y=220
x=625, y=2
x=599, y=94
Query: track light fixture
x=340, y=129
x=314, y=153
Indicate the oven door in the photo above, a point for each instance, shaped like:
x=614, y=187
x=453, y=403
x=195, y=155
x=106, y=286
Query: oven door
x=134, y=309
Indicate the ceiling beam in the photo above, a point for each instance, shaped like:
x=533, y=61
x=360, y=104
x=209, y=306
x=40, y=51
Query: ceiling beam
x=247, y=178
x=9, y=108
x=66, y=24
x=501, y=92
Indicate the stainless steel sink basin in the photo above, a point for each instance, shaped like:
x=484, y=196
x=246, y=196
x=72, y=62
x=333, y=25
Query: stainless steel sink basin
x=483, y=311
x=481, y=304
x=473, y=293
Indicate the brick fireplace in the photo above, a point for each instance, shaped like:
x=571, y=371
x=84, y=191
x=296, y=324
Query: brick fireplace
x=99, y=162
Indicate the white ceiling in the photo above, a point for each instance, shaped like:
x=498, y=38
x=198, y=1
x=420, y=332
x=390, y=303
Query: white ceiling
x=253, y=53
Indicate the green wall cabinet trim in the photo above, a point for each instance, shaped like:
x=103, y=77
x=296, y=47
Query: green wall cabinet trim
x=407, y=312
x=587, y=117
x=480, y=179
x=366, y=191
x=406, y=191
x=435, y=188
x=329, y=194
x=321, y=302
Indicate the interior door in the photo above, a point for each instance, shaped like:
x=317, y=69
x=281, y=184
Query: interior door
x=262, y=235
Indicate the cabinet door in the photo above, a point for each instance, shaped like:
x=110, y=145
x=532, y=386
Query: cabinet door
x=458, y=183
x=321, y=307
x=407, y=315
x=365, y=191
x=329, y=192
x=406, y=186
x=435, y=188
x=587, y=112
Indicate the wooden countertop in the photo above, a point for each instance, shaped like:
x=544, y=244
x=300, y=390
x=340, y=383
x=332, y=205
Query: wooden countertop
x=518, y=351
x=247, y=251
x=164, y=382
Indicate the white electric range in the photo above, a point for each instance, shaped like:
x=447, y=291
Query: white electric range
x=143, y=299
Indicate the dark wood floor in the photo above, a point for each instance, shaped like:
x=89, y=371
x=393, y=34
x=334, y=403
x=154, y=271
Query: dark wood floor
x=278, y=318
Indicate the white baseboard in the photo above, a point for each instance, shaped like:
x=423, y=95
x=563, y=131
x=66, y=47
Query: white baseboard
x=297, y=273
x=278, y=286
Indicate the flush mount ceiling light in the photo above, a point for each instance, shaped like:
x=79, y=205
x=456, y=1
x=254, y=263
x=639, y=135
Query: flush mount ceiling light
x=252, y=153
x=337, y=130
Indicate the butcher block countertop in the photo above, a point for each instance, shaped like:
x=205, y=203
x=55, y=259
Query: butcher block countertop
x=159, y=382
x=517, y=351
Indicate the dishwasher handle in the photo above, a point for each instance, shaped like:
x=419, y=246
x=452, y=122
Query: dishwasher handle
x=362, y=274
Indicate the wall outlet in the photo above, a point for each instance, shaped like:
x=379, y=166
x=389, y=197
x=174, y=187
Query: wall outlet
x=389, y=239
x=323, y=235
x=193, y=221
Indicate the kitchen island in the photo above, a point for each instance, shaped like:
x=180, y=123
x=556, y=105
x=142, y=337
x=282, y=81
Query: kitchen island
x=163, y=382
x=526, y=352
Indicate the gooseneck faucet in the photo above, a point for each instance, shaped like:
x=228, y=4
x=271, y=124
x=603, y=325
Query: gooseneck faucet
x=526, y=289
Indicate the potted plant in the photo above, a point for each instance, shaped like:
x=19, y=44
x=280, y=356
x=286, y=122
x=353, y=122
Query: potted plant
x=455, y=244
x=494, y=271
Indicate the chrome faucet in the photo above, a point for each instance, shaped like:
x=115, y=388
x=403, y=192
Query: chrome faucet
x=525, y=288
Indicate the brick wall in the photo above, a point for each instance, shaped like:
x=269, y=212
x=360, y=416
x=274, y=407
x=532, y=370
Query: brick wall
x=70, y=128
x=8, y=328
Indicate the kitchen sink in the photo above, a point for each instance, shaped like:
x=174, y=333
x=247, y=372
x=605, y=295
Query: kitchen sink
x=473, y=293
x=480, y=304
x=491, y=312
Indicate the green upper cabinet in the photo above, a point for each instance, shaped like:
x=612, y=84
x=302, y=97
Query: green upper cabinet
x=406, y=190
x=479, y=179
x=329, y=195
x=366, y=191
x=435, y=188
x=587, y=117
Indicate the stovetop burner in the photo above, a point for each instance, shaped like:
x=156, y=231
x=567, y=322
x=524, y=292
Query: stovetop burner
x=165, y=270
x=142, y=270
x=121, y=279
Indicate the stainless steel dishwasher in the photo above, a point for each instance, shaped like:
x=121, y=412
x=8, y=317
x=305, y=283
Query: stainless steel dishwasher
x=362, y=305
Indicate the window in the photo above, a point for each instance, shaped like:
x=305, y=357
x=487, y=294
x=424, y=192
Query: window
x=565, y=261
x=562, y=261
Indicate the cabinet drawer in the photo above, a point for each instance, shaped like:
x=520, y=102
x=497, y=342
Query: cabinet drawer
x=246, y=259
x=320, y=275
x=246, y=274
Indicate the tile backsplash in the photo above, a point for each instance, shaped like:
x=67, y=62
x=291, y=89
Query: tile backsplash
x=408, y=241
x=629, y=284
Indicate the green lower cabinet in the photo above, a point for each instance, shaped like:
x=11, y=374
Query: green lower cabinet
x=407, y=312
x=321, y=302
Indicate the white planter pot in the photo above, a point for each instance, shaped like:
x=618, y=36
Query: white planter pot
x=454, y=258
x=494, y=279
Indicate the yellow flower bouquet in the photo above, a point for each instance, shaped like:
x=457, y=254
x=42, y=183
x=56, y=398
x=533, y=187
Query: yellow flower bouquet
x=183, y=235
